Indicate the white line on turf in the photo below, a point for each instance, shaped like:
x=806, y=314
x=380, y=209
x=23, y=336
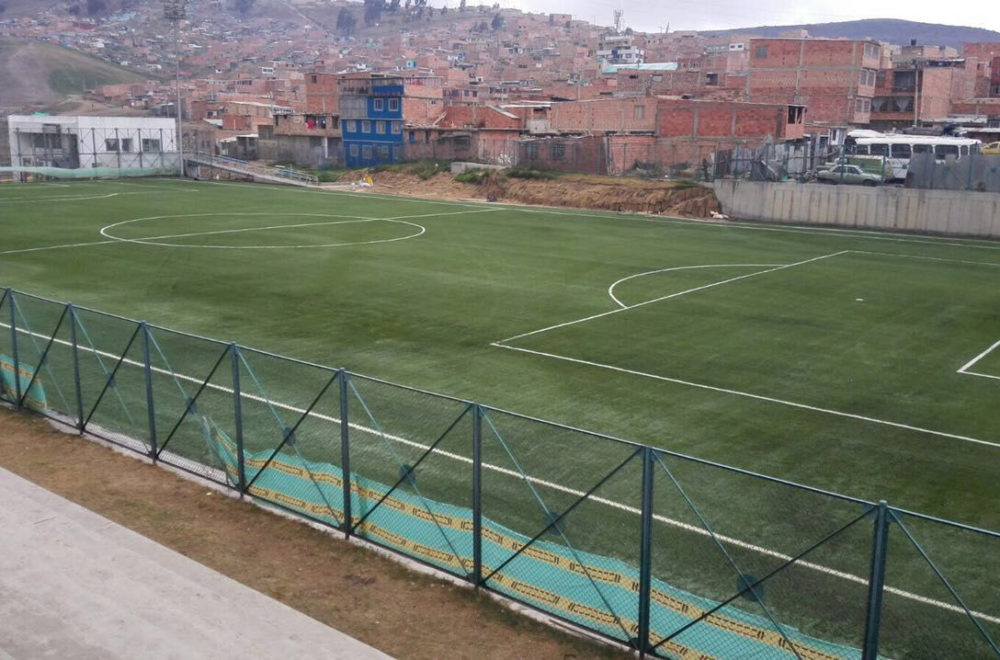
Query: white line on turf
x=534, y=480
x=750, y=395
x=78, y=198
x=672, y=295
x=611, y=289
x=926, y=258
x=57, y=247
x=971, y=363
x=694, y=223
x=795, y=229
x=976, y=373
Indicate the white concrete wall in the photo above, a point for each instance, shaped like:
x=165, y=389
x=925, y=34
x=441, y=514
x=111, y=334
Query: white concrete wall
x=92, y=134
x=893, y=208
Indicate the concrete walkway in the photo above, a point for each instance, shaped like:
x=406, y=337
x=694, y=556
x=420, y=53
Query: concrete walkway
x=76, y=585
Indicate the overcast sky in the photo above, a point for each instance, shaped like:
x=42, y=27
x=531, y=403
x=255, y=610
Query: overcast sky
x=653, y=15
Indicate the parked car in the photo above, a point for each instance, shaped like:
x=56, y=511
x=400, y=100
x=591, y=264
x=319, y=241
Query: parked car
x=849, y=174
x=993, y=148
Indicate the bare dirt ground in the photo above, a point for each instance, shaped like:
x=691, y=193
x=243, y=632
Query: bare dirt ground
x=351, y=588
x=568, y=190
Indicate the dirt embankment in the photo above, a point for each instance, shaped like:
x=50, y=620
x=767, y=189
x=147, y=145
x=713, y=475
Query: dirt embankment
x=570, y=190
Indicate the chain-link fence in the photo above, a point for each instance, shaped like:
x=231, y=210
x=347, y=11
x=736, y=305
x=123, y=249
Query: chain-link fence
x=972, y=172
x=668, y=554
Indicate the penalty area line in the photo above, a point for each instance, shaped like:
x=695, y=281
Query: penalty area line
x=964, y=370
x=672, y=295
x=750, y=395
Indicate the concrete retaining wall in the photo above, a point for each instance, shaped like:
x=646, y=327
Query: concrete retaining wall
x=901, y=209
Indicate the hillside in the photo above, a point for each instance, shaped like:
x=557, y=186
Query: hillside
x=881, y=29
x=38, y=75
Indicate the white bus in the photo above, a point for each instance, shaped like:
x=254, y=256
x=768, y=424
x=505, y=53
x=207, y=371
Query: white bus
x=895, y=150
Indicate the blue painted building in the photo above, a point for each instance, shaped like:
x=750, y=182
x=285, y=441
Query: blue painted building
x=371, y=119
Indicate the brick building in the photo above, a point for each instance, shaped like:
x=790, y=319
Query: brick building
x=988, y=55
x=834, y=79
x=922, y=90
x=322, y=93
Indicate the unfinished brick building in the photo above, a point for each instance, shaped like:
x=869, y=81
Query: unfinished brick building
x=833, y=78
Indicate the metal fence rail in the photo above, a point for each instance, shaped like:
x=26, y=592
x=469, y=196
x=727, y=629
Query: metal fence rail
x=668, y=554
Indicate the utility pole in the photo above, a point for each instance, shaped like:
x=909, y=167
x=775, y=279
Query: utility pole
x=174, y=11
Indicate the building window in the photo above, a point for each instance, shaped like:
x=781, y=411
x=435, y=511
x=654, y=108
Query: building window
x=366, y=126
x=378, y=105
x=760, y=53
x=639, y=112
x=380, y=127
x=149, y=144
x=126, y=145
x=354, y=151
x=397, y=127
x=366, y=152
x=393, y=105
x=313, y=79
x=559, y=149
x=111, y=144
x=383, y=152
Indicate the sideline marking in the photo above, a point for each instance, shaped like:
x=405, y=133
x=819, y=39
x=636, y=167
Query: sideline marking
x=556, y=210
x=672, y=295
x=534, y=480
x=611, y=289
x=964, y=370
x=57, y=247
x=749, y=395
x=75, y=198
x=926, y=258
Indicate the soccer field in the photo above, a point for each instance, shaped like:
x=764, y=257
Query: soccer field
x=857, y=362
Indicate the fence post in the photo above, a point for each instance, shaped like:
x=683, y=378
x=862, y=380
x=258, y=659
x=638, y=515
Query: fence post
x=13, y=346
x=477, y=495
x=645, y=551
x=234, y=351
x=76, y=366
x=147, y=368
x=345, y=453
x=876, y=582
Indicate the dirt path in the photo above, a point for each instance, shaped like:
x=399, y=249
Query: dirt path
x=617, y=194
x=352, y=588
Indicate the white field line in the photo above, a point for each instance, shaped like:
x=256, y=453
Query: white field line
x=611, y=289
x=64, y=246
x=556, y=210
x=147, y=239
x=926, y=258
x=76, y=198
x=541, y=482
x=840, y=233
x=240, y=231
x=668, y=297
x=560, y=210
x=749, y=395
x=971, y=363
x=968, y=365
x=395, y=198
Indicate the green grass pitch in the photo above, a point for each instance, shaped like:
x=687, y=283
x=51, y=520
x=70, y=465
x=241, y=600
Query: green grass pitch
x=859, y=362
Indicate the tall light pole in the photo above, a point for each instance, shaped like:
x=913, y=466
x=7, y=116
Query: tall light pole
x=174, y=11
